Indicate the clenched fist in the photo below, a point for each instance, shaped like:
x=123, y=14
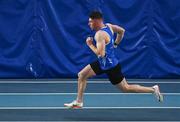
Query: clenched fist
x=89, y=41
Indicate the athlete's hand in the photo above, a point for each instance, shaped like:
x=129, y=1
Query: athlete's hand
x=89, y=41
x=115, y=45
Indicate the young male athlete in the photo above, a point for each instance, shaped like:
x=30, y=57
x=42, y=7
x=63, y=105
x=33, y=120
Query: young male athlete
x=107, y=61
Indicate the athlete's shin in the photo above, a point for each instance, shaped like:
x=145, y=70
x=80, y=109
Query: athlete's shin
x=81, y=88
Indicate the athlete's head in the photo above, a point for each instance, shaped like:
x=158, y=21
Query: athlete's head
x=95, y=20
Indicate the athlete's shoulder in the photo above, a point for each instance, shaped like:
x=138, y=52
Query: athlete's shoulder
x=116, y=28
x=100, y=33
x=108, y=24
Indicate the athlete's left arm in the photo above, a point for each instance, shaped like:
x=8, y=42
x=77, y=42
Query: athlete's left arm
x=99, y=49
x=100, y=43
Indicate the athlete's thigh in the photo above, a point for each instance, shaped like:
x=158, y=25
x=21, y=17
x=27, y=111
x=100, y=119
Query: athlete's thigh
x=87, y=72
x=122, y=84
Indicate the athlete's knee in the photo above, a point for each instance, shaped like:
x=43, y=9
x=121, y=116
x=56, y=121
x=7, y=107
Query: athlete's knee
x=125, y=88
x=81, y=76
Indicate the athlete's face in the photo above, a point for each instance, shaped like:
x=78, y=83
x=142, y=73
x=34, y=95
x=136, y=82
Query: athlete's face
x=93, y=23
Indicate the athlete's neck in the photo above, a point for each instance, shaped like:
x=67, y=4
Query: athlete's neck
x=101, y=25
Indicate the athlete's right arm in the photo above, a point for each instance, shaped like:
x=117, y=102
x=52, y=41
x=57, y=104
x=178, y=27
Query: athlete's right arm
x=119, y=30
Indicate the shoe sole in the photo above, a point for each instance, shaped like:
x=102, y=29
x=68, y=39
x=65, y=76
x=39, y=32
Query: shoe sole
x=161, y=99
x=73, y=107
x=160, y=96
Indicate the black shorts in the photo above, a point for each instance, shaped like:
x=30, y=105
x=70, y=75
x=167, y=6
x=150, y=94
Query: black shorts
x=114, y=74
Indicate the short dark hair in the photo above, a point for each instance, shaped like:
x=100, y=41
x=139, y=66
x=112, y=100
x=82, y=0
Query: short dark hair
x=95, y=15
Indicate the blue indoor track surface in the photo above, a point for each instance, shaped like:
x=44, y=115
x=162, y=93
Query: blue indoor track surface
x=42, y=100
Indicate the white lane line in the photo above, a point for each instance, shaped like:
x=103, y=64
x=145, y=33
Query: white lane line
x=89, y=121
x=4, y=94
x=90, y=108
x=95, y=82
x=98, y=81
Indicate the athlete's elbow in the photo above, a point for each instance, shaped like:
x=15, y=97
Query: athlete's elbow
x=101, y=54
x=122, y=31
